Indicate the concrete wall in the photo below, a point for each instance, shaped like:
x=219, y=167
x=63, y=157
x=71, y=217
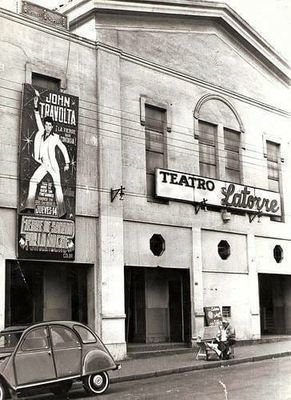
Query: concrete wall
x=236, y=279
x=182, y=148
x=54, y=55
x=137, y=252
x=180, y=44
x=32, y=47
x=237, y=260
x=175, y=62
x=230, y=290
x=265, y=260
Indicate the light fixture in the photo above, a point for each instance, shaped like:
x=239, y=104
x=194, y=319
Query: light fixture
x=225, y=215
x=115, y=192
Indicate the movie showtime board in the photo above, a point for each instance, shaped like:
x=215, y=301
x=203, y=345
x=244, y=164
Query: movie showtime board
x=47, y=174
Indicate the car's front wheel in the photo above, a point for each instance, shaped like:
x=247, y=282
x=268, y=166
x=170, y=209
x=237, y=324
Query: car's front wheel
x=97, y=383
x=2, y=391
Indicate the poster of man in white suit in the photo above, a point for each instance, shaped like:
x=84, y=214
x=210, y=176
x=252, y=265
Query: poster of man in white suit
x=45, y=143
x=47, y=173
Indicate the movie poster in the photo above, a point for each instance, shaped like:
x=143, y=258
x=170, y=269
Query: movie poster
x=212, y=315
x=47, y=174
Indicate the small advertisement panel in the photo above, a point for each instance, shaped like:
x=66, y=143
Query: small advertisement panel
x=47, y=174
x=212, y=315
x=195, y=189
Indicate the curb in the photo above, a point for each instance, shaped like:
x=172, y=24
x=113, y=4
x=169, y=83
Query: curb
x=209, y=365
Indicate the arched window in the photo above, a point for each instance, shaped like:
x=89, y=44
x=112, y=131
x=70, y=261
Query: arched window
x=220, y=134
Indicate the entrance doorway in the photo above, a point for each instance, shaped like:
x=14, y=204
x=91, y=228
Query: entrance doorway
x=157, y=302
x=275, y=304
x=38, y=291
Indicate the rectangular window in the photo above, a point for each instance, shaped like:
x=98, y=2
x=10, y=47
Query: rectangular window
x=273, y=153
x=207, y=149
x=232, y=157
x=226, y=311
x=155, y=123
x=45, y=82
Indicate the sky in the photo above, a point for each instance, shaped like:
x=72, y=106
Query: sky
x=270, y=18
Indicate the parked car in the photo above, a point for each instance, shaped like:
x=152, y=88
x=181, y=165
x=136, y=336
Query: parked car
x=52, y=355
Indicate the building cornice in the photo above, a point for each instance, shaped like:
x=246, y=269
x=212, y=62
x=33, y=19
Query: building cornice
x=79, y=10
x=51, y=30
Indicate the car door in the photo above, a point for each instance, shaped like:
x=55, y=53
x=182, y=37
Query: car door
x=33, y=362
x=67, y=351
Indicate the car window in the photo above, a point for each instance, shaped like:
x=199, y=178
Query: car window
x=86, y=335
x=9, y=340
x=63, y=337
x=35, y=340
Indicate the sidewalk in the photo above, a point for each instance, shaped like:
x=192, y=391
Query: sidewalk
x=133, y=369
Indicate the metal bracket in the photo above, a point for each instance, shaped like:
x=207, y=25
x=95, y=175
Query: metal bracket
x=115, y=192
x=200, y=206
x=254, y=215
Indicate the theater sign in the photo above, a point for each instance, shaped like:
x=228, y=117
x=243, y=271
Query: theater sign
x=195, y=189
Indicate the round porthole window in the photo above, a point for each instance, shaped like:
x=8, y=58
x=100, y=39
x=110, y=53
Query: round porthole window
x=157, y=244
x=278, y=253
x=223, y=249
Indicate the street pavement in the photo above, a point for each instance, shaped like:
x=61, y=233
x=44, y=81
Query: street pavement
x=162, y=366
x=133, y=369
x=264, y=380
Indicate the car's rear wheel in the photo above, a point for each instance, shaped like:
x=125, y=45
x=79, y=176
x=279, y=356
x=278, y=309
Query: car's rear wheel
x=97, y=383
x=61, y=389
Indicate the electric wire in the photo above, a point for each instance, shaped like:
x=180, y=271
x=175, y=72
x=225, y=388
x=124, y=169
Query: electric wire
x=141, y=142
x=169, y=145
x=137, y=121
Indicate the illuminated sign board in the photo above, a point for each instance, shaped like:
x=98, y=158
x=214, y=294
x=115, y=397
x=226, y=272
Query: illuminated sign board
x=195, y=189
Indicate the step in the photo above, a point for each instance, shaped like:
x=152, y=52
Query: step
x=158, y=353
x=148, y=350
x=138, y=347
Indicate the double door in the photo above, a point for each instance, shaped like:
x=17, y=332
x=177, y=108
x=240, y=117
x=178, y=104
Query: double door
x=157, y=305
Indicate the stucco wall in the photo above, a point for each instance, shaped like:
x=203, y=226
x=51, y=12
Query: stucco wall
x=230, y=290
x=237, y=260
x=48, y=52
x=199, y=48
x=182, y=148
x=175, y=62
x=31, y=47
x=178, y=246
x=265, y=260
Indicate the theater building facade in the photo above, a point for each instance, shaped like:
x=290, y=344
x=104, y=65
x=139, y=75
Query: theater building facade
x=144, y=171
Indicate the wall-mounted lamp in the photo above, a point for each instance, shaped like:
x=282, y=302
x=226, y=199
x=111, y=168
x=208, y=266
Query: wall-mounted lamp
x=200, y=206
x=115, y=192
x=254, y=215
x=225, y=216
